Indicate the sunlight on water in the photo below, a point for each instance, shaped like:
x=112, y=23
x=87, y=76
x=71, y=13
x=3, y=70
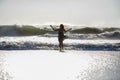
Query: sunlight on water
x=70, y=65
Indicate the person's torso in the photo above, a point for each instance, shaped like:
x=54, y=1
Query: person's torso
x=61, y=33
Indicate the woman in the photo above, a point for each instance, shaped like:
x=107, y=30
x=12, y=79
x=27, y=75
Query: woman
x=61, y=35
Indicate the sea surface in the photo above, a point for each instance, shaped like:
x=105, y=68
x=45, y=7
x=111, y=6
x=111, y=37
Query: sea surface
x=28, y=37
x=51, y=43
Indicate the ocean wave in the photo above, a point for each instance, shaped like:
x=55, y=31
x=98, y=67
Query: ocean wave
x=51, y=43
x=25, y=30
x=82, y=33
x=105, y=35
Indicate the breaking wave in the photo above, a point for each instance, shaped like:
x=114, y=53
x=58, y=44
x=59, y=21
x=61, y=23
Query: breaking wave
x=51, y=43
x=45, y=30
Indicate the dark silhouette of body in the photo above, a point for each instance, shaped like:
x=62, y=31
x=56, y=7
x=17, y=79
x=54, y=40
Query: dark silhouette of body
x=61, y=35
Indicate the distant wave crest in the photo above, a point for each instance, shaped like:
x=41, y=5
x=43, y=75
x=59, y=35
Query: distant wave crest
x=82, y=33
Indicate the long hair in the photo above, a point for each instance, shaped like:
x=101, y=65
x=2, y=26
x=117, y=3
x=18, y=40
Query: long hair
x=61, y=26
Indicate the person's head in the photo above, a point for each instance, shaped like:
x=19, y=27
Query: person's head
x=61, y=26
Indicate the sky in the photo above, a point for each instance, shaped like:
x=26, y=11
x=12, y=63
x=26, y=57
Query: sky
x=76, y=12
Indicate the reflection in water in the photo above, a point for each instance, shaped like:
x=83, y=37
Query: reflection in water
x=54, y=65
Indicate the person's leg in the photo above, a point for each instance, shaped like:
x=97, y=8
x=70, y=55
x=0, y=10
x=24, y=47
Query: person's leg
x=61, y=43
x=60, y=46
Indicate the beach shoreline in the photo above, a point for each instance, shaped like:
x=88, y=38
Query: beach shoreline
x=68, y=65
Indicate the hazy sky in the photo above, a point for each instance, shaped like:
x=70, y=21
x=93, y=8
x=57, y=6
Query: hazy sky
x=80, y=12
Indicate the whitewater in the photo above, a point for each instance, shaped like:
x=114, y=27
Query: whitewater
x=51, y=43
x=28, y=37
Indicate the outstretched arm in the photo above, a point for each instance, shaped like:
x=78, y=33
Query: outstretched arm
x=53, y=28
x=68, y=30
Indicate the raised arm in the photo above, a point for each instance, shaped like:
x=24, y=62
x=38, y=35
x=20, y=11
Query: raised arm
x=53, y=28
x=68, y=30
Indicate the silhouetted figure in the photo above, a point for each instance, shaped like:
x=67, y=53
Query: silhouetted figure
x=61, y=35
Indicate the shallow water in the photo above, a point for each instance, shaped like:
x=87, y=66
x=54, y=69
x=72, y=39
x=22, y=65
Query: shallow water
x=55, y=65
